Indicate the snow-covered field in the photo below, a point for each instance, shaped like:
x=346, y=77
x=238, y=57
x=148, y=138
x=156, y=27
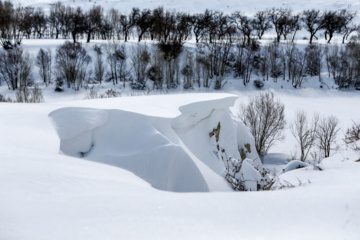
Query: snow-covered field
x=144, y=167
x=48, y=195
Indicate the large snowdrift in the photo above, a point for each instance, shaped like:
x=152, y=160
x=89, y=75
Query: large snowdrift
x=177, y=154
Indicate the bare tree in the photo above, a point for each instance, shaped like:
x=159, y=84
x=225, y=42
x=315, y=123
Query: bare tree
x=77, y=24
x=57, y=14
x=93, y=21
x=261, y=23
x=244, y=25
x=144, y=22
x=326, y=133
x=43, y=61
x=39, y=22
x=128, y=22
x=264, y=116
x=280, y=19
x=304, y=132
x=313, y=22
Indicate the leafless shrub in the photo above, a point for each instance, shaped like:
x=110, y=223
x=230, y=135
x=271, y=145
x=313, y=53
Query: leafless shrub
x=99, y=69
x=187, y=70
x=140, y=62
x=91, y=94
x=3, y=98
x=213, y=57
x=326, y=133
x=15, y=68
x=43, y=61
x=117, y=62
x=111, y=93
x=156, y=70
x=265, y=118
x=33, y=95
x=71, y=64
x=352, y=136
x=304, y=132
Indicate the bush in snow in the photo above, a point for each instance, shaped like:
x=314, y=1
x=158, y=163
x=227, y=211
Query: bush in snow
x=4, y=99
x=71, y=64
x=265, y=118
x=304, y=132
x=43, y=62
x=117, y=61
x=326, y=133
x=99, y=69
x=140, y=60
x=15, y=68
x=352, y=136
x=242, y=175
x=29, y=96
x=111, y=93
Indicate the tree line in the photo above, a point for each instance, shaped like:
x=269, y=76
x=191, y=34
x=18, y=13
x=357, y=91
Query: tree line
x=169, y=65
x=226, y=45
x=18, y=22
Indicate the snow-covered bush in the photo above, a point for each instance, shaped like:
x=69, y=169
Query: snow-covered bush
x=242, y=175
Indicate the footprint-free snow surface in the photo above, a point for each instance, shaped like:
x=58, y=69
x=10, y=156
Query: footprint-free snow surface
x=96, y=169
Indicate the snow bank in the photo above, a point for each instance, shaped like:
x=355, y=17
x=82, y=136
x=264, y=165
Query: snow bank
x=173, y=154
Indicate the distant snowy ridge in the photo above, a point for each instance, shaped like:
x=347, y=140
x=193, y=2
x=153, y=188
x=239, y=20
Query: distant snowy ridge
x=176, y=154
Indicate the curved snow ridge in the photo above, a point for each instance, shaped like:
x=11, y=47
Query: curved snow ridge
x=193, y=113
x=69, y=122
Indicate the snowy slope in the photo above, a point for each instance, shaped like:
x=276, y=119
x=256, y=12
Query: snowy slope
x=47, y=195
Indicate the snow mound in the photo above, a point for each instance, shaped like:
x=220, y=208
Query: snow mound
x=296, y=164
x=173, y=154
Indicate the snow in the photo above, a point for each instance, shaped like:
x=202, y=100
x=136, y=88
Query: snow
x=118, y=168
x=170, y=154
x=48, y=195
x=295, y=164
x=71, y=122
